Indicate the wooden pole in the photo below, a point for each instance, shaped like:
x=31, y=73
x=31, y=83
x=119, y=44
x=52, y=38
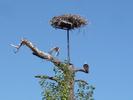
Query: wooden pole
x=68, y=47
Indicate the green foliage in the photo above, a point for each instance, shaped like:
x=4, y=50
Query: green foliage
x=84, y=91
x=53, y=90
x=60, y=89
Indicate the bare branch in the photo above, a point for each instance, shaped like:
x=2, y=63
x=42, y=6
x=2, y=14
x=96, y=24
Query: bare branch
x=36, y=51
x=80, y=70
x=46, y=77
x=81, y=81
x=49, y=57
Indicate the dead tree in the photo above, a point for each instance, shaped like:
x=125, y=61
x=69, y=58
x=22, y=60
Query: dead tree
x=66, y=22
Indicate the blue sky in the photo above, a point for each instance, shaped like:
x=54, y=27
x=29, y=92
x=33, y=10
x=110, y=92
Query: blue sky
x=106, y=43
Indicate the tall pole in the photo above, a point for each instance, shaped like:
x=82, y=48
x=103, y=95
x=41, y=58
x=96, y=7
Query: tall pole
x=68, y=47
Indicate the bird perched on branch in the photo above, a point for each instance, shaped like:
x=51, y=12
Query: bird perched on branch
x=54, y=51
x=86, y=68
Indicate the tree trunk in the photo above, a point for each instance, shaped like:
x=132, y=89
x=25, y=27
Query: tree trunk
x=69, y=78
x=71, y=89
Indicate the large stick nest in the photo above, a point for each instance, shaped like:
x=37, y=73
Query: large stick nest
x=68, y=22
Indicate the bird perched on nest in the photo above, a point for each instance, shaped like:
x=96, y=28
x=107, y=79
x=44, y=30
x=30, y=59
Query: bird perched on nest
x=54, y=51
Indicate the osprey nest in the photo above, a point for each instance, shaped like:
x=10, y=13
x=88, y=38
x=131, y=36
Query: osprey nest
x=68, y=22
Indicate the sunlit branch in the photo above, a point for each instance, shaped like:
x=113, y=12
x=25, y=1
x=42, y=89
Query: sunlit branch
x=36, y=51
